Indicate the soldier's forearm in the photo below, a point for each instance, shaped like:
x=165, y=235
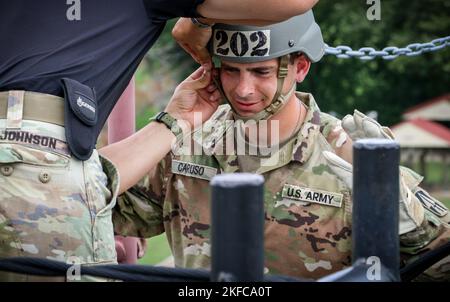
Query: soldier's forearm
x=139, y=153
x=272, y=10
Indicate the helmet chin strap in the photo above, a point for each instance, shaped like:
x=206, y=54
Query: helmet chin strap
x=278, y=102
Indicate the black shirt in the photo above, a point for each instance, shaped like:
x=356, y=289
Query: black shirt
x=43, y=41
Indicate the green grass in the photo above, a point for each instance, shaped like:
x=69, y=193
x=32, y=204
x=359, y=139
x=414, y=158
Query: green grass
x=434, y=178
x=143, y=116
x=434, y=172
x=157, y=250
x=445, y=201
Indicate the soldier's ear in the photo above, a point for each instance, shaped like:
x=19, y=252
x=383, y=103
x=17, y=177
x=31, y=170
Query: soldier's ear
x=302, y=65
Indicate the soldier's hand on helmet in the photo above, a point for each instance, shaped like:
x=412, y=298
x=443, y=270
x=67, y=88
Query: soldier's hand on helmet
x=197, y=95
x=193, y=39
x=360, y=126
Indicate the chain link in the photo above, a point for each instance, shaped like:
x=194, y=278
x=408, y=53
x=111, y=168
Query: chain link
x=387, y=53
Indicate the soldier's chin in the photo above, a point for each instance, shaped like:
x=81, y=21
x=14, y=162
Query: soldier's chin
x=244, y=113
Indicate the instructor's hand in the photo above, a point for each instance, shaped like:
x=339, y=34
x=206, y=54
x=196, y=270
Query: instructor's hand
x=196, y=95
x=193, y=39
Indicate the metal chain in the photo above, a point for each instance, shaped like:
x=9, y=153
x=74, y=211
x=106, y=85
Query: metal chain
x=387, y=53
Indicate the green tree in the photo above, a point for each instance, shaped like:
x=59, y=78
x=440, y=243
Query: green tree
x=388, y=87
x=340, y=85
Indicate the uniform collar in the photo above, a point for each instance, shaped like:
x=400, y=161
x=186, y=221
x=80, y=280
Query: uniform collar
x=303, y=142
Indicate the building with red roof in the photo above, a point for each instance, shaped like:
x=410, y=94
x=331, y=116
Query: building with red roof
x=424, y=135
x=437, y=109
x=419, y=133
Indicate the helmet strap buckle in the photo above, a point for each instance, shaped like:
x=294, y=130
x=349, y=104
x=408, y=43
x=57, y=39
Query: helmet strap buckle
x=283, y=68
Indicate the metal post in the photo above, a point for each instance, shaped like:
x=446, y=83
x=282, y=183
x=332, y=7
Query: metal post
x=237, y=227
x=376, y=202
x=121, y=124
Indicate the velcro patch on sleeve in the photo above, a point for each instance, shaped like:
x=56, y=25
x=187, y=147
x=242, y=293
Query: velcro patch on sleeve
x=193, y=170
x=431, y=204
x=312, y=195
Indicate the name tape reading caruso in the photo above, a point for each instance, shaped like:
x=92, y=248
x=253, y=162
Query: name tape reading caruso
x=226, y=291
x=193, y=170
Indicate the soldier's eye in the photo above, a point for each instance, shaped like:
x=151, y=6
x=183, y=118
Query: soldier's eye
x=230, y=69
x=262, y=72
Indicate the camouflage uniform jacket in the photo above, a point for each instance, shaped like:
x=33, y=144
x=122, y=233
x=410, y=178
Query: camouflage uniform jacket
x=307, y=236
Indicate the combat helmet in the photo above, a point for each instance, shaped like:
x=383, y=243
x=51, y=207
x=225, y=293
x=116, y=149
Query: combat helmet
x=249, y=44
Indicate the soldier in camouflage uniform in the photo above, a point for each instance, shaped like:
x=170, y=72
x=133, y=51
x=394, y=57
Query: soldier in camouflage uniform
x=36, y=166
x=308, y=193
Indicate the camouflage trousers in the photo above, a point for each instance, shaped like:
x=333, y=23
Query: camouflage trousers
x=51, y=204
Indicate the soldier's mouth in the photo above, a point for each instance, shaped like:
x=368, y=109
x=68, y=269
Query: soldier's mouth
x=245, y=105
